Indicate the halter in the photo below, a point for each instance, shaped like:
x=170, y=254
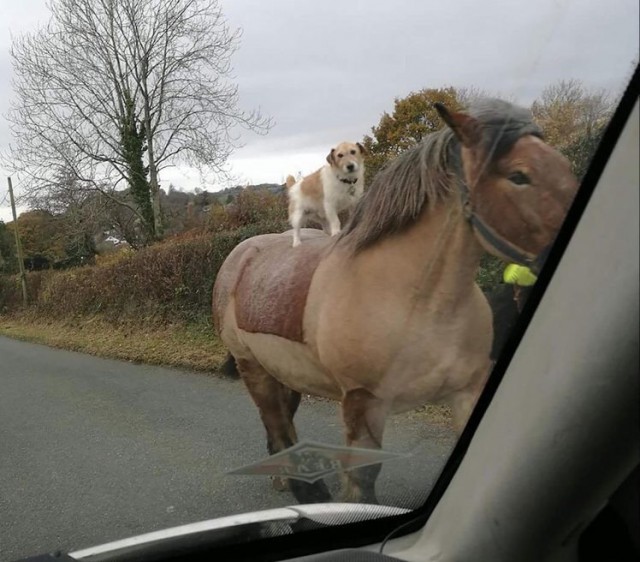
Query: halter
x=351, y=184
x=491, y=236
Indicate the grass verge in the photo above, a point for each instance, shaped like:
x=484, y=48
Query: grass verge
x=188, y=346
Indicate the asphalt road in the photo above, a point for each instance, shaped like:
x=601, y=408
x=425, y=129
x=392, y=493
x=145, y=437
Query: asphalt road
x=94, y=450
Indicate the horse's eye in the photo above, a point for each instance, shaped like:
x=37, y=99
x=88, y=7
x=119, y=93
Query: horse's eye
x=340, y=155
x=353, y=152
x=519, y=178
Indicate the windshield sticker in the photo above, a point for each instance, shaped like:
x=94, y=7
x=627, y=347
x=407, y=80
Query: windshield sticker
x=310, y=461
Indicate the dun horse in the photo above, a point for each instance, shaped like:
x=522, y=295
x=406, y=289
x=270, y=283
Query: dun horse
x=387, y=317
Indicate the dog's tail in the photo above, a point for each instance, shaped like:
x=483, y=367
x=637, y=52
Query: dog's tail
x=229, y=367
x=290, y=181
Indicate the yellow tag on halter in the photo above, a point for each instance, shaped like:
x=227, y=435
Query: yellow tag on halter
x=515, y=274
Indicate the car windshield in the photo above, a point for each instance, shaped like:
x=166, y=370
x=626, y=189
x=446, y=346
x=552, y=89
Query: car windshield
x=256, y=255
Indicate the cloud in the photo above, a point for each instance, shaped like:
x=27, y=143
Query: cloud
x=326, y=72
x=330, y=73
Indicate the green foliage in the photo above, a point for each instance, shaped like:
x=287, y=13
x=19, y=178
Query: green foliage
x=582, y=149
x=490, y=272
x=8, y=261
x=132, y=138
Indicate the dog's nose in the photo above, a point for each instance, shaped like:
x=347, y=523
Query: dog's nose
x=351, y=167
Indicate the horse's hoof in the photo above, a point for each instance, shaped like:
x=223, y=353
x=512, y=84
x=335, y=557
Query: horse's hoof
x=279, y=483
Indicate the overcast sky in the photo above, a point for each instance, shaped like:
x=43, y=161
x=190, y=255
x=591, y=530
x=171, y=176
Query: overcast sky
x=326, y=71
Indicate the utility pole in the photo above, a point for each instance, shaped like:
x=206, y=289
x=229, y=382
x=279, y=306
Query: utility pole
x=23, y=278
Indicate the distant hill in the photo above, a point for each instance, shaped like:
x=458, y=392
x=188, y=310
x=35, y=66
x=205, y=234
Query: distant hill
x=224, y=194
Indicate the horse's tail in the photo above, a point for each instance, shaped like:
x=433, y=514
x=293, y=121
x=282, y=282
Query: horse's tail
x=229, y=367
x=290, y=181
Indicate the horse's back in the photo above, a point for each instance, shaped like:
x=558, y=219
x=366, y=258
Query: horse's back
x=269, y=281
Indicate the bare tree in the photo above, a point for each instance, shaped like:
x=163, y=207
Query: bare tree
x=87, y=215
x=573, y=119
x=102, y=69
x=81, y=212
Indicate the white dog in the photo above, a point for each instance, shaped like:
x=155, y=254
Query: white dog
x=325, y=193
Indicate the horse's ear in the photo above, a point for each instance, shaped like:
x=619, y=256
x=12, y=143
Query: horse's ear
x=467, y=129
x=330, y=158
x=363, y=150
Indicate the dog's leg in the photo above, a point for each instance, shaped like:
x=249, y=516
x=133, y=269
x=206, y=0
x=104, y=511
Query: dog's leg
x=325, y=226
x=296, y=222
x=334, y=221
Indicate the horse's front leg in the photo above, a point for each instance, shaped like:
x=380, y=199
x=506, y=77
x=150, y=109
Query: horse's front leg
x=364, y=418
x=463, y=401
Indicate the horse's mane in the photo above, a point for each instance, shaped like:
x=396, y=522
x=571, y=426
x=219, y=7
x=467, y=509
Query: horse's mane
x=427, y=173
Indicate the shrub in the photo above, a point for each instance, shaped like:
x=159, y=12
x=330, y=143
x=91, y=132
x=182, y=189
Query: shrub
x=11, y=291
x=250, y=207
x=170, y=281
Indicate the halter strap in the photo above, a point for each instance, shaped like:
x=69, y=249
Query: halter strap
x=490, y=235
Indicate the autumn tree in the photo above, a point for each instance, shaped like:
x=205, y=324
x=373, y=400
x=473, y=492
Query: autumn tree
x=87, y=215
x=413, y=118
x=106, y=75
x=573, y=120
x=82, y=213
x=43, y=243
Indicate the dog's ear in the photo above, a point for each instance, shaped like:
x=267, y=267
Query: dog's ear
x=363, y=150
x=330, y=157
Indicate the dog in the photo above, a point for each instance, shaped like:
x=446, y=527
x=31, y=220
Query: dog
x=324, y=194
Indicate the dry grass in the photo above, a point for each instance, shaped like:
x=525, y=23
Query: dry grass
x=437, y=414
x=188, y=346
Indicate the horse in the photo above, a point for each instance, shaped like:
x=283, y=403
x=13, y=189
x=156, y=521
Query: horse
x=386, y=316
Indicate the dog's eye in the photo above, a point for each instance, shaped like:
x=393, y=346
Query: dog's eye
x=519, y=178
x=353, y=152
x=340, y=155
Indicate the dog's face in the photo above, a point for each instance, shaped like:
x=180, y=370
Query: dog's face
x=347, y=158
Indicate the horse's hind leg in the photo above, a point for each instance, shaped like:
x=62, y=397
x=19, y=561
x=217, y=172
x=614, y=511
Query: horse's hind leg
x=277, y=405
x=292, y=401
x=364, y=417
